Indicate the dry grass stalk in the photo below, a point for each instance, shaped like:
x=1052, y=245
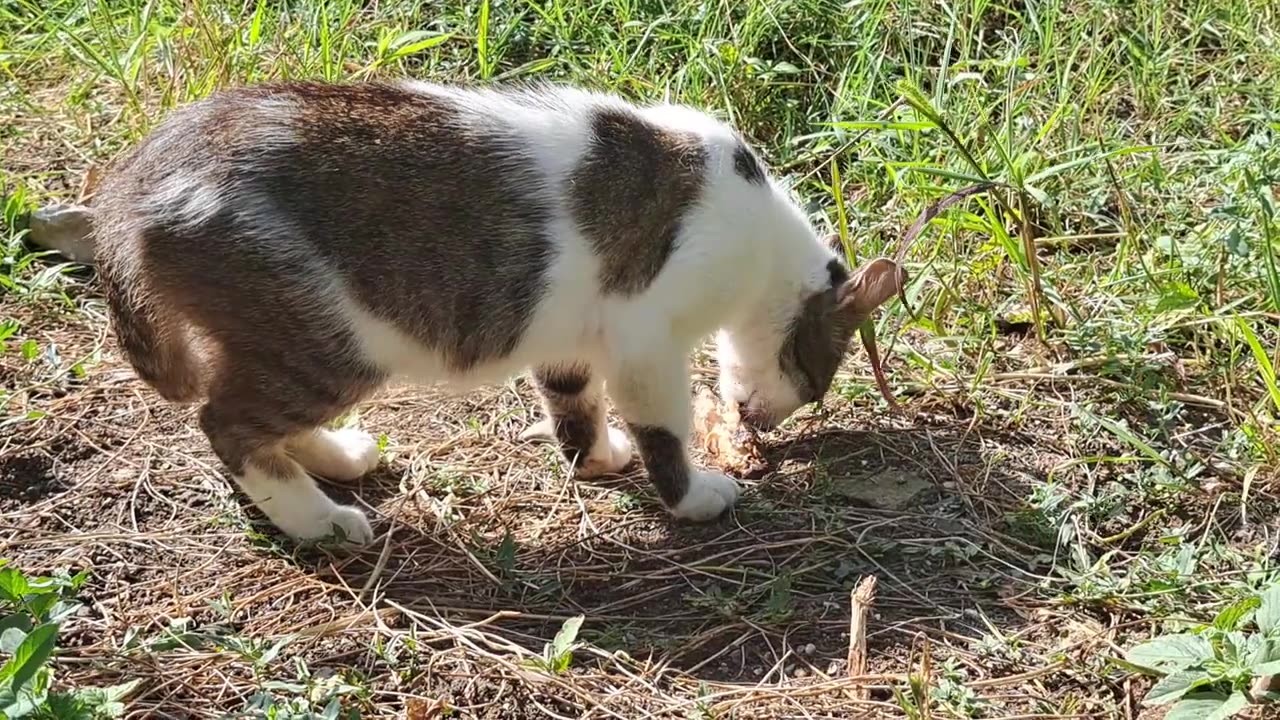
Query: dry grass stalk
x=860, y=601
x=926, y=678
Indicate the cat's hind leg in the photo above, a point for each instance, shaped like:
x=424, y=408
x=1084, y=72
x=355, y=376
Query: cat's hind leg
x=261, y=418
x=573, y=399
x=343, y=455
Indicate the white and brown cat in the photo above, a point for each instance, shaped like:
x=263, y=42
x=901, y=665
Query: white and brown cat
x=281, y=251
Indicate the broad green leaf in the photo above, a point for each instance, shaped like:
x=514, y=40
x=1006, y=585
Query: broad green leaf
x=1256, y=650
x=115, y=693
x=62, y=610
x=1171, y=652
x=1234, y=704
x=1208, y=706
x=1177, y=296
x=1196, y=707
x=1231, y=616
x=39, y=605
x=1266, y=668
x=1040, y=196
x=79, y=579
x=19, y=703
x=108, y=701
x=30, y=656
x=1268, y=615
x=20, y=621
x=269, y=655
x=564, y=639
x=1133, y=668
x=11, y=638
x=13, y=585
x=1235, y=645
x=1174, y=685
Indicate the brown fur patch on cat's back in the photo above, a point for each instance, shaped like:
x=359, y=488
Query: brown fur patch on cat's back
x=630, y=192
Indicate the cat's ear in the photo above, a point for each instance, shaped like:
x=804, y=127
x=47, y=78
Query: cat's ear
x=869, y=286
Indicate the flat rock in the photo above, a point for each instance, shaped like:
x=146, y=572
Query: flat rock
x=893, y=489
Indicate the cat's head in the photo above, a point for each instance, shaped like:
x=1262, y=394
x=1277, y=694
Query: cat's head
x=774, y=365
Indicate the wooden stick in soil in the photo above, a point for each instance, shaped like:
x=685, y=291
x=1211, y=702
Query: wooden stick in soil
x=860, y=601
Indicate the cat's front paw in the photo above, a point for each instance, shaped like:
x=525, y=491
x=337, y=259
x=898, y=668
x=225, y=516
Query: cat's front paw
x=342, y=455
x=609, y=457
x=342, y=521
x=544, y=429
x=354, y=525
x=709, y=495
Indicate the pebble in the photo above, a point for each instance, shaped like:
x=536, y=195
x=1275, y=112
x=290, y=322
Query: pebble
x=799, y=673
x=810, y=649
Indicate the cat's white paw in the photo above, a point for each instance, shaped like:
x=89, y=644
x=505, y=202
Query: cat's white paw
x=610, y=455
x=322, y=521
x=708, y=496
x=341, y=455
x=355, y=526
x=541, y=430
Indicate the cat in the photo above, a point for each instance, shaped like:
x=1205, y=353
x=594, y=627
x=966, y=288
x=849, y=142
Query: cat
x=282, y=250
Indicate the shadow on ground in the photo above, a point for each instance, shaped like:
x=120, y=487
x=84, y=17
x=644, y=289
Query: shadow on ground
x=488, y=532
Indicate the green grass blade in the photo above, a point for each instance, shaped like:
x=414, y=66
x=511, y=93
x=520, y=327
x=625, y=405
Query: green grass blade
x=1265, y=369
x=482, y=41
x=1079, y=162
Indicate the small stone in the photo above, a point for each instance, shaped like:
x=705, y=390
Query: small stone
x=892, y=489
x=799, y=673
x=810, y=649
x=757, y=671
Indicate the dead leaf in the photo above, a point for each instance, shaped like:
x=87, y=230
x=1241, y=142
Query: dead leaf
x=420, y=709
x=89, y=184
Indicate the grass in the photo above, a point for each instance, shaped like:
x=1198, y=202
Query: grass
x=1089, y=378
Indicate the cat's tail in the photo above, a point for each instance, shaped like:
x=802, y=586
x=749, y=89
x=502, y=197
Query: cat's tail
x=152, y=333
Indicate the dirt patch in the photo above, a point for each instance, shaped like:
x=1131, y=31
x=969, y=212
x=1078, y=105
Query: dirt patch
x=492, y=547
